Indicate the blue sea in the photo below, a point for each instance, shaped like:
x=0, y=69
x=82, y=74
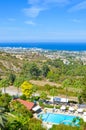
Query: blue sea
x=48, y=45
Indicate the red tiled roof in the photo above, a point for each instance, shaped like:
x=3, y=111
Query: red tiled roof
x=28, y=105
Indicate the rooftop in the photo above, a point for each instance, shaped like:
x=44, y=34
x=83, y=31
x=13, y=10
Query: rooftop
x=28, y=105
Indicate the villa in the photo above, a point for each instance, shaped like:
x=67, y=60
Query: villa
x=58, y=116
x=30, y=105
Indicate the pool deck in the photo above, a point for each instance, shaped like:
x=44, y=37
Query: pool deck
x=58, y=111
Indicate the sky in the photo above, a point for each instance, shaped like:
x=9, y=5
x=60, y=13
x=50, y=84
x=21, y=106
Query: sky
x=43, y=20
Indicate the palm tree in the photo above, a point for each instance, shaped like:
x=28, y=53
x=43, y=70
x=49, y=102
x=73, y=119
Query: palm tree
x=53, y=91
x=4, y=83
x=66, y=83
x=3, y=119
x=18, y=82
x=43, y=95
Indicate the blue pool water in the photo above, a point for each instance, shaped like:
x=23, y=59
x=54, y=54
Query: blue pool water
x=59, y=119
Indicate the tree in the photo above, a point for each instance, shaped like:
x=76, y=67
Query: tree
x=79, y=99
x=4, y=83
x=18, y=82
x=12, y=78
x=27, y=89
x=34, y=89
x=53, y=91
x=35, y=124
x=14, y=124
x=25, y=70
x=4, y=101
x=78, y=83
x=83, y=94
x=34, y=71
x=19, y=119
x=20, y=109
x=3, y=118
x=43, y=95
x=57, y=63
x=66, y=83
x=45, y=70
x=53, y=75
x=64, y=127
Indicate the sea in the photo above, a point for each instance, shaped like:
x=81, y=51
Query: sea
x=48, y=45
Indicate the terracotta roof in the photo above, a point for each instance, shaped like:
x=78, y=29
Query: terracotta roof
x=28, y=105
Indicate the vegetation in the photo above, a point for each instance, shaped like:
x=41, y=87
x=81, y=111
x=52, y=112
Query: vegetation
x=12, y=78
x=4, y=101
x=4, y=83
x=45, y=70
x=83, y=94
x=64, y=127
x=34, y=71
x=20, y=71
x=17, y=116
x=35, y=124
x=3, y=119
x=21, y=118
x=27, y=89
x=43, y=95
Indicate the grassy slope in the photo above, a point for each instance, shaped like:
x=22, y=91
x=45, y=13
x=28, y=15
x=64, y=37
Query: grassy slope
x=9, y=63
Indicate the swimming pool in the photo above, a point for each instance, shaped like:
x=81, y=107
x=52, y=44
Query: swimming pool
x=59, y=119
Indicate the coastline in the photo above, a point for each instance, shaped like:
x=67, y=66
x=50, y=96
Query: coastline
x=47, y=46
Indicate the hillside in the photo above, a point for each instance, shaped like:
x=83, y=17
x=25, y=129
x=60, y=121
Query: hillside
x=12, y=60
x=9, y=63
x=54, y=66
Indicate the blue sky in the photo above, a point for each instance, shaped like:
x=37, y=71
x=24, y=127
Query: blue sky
x=43, y=20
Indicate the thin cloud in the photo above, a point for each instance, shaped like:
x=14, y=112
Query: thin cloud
x=43, y=2
x=32, y=2
x=30, y=23
x=79, y=6
x=33, y=11
x=76, y=20
x=57, y=2
x=37, y=6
